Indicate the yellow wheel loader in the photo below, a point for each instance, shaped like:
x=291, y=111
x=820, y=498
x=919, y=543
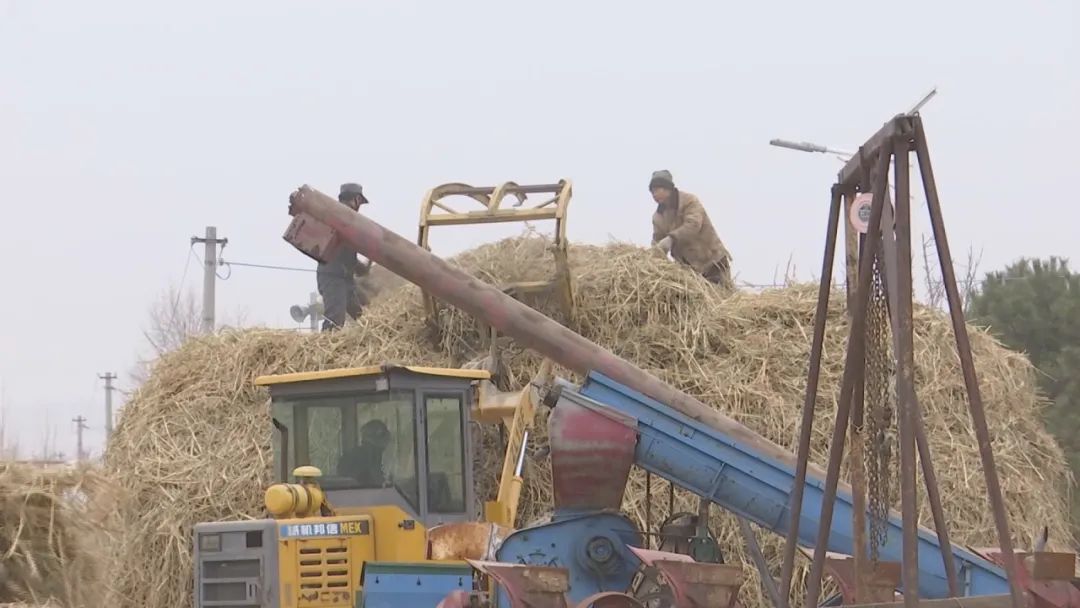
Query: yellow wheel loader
x=374, y=466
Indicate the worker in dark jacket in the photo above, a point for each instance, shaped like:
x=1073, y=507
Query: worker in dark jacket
x=337, y=279
x=364, y=462
x=682, y=228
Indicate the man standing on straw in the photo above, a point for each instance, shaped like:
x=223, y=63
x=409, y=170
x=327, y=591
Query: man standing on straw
x=337, y=279
x=682, y=228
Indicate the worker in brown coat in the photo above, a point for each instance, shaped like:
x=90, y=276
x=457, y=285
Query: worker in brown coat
x=682, y=228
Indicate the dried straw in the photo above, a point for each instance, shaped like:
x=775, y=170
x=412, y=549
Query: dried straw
x=193, y=443
x=53, y=525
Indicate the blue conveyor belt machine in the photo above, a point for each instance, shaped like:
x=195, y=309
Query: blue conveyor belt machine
x=741, y=479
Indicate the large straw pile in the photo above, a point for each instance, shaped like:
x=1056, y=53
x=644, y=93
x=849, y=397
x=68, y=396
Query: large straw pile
x=193, y=443
x=53, y=526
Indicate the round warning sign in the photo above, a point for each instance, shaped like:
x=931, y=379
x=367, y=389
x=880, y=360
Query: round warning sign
x=860, y=211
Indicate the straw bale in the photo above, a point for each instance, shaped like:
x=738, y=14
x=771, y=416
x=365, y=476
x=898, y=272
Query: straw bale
x=193, y=443
x=54, y=523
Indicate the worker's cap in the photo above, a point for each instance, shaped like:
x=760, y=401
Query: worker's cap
x=661, y=178
x=351, y=190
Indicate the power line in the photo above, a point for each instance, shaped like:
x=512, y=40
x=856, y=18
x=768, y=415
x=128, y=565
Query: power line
x=267, y=266
x=758, y=285
x=180, y=288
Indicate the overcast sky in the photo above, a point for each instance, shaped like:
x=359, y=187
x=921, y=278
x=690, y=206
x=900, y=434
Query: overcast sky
x=126, y=127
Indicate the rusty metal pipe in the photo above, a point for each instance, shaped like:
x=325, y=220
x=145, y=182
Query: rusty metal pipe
x=905, y=376
x=859, y=499
x=933, y=491
x=648, y=510
x=857, y=452
x=967, y=364
x=933, y=495
x=510, y=317
x=854, y=366
x=807, y=425
x=767, y=580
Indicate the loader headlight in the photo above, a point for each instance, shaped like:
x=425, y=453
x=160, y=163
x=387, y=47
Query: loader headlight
x=210, y=542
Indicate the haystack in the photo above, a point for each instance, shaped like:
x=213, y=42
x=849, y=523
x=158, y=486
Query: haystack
x=194, y=442
x=53, y=534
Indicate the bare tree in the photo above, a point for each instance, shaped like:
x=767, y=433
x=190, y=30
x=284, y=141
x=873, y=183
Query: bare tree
x=9, y=450
x=173, y=319
x=49, y=441
x=967, y=281
x=935, y=289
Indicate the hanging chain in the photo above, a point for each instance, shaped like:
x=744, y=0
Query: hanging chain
x=879, y=408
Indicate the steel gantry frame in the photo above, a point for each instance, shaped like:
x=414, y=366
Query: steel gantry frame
x=889, y=231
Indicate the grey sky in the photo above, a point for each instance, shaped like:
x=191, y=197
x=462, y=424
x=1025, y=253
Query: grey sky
x=126, y=127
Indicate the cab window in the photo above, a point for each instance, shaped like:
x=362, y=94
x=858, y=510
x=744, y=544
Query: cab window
x=383, y=453
x=358, y=441
x=445, y=454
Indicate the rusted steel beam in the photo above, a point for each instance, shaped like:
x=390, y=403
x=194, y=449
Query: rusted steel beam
x=853, y=369
x=857, y=454
x=859, y=495
x=905, y=377
x=648, y=510
x=933, y=495
x=762, y=566
x=510, y=317
x=933, y=491
x=853, y=171
x=973, y=601
x=802, y=457
x=967, y=364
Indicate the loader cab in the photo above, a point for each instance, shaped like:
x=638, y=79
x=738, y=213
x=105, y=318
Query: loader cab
x=381, y=436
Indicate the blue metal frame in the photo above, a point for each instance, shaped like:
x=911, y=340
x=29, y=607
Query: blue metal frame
x=757, y=487
x=591, y=546
x=396, y=585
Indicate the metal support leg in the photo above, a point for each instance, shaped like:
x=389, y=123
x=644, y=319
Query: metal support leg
x=853, y=369
x=648, y=510
x=963, y=347
x=858, y=491
x=905, y=379
x=933, y=491
x=754, y=548
x=814, y=374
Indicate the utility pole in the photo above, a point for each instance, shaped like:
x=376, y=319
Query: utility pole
x=313, y=308
x=80, y=426
x=210, y=263
x=108, y=377
x=313, y=312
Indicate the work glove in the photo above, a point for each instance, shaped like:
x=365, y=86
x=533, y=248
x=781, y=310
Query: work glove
x=664, y=244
